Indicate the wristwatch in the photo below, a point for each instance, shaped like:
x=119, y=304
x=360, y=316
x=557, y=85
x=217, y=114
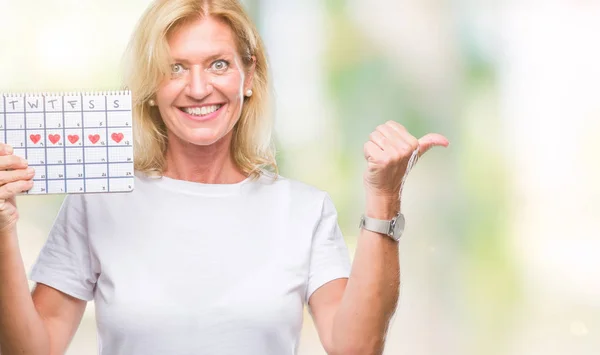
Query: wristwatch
x=392, y=228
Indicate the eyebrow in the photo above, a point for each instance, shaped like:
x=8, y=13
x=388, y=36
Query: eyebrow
x=210, y=58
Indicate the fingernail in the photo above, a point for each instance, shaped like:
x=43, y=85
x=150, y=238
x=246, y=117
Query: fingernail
x=8, y=149
x=24, y=162
x=30, y=171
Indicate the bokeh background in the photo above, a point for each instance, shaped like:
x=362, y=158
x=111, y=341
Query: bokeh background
x=501, y=250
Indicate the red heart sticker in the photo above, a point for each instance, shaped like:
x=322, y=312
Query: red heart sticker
x=117, y=137
x=54, y=138
x=35, y=138
x=73, y=138
x=94, y=138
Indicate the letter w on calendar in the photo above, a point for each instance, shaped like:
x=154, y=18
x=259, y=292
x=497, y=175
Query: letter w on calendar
x=77, y=142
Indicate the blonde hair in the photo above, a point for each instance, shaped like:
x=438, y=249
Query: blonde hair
x=148, y=61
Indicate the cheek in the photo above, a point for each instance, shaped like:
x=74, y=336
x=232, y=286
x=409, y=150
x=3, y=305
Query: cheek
x=168, y=91
x=230, y=85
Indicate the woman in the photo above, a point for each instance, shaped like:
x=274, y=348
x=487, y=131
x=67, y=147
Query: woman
x=213, y=253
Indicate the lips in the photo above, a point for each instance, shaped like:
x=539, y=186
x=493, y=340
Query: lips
x=201, y=110
x=202, y=113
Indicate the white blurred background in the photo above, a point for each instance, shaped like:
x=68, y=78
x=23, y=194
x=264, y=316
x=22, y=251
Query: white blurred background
x=500, y=254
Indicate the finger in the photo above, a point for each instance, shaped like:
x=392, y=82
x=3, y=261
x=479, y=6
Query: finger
x=389, y=133
x=396, y=126
x=372, y=152
x=13, y=188
x=379, y=139
x=12, y=162
x=431, y=140
x=15, y=175
x=5, y=149
x=402, y=139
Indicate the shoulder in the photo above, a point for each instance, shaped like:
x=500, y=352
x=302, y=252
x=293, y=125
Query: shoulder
x=295, y=191
x=284, y=183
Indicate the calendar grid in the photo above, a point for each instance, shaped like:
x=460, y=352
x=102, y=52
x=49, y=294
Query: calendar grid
x=62, y=109
x=25, y=123
x=89, y=178
x=75, y=164
x=4, y=114
x=83, y=146
x=106, y=126
x=86, y=111
x=45, y=135
x=82, y=130
x=114, y=145
x=19, y=129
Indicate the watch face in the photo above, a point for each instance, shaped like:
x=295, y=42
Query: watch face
x=399, y=226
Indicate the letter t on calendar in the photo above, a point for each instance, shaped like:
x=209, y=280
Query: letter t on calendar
x=77, y=143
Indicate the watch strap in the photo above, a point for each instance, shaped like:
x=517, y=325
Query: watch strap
x=392, y=228
x=376, y=225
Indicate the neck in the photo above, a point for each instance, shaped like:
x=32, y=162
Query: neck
x=211, y=164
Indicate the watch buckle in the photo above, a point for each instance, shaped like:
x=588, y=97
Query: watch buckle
x=392, y=226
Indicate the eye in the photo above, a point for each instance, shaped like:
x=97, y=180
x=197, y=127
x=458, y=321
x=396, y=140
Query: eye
x=177, y=68
x=220, y=65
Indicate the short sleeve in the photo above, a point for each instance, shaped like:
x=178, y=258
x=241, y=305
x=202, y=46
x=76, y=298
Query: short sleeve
x=330, y=259
x=64, y=262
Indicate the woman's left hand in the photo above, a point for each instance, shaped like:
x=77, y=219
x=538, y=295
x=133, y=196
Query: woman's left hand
x=388, y=152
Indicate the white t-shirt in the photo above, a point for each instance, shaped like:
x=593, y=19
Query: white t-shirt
x=182, y=268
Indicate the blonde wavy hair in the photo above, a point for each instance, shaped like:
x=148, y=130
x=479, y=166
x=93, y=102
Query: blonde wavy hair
x=147, y=62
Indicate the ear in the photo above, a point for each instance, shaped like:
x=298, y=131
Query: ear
x=250, y=75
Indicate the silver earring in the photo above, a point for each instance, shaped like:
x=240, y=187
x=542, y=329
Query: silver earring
x=151, y=102
x=249, y=92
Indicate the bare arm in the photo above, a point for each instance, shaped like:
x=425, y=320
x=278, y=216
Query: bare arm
x=45, y=322
x=61, y=314
x=353, y=317
x=22, y=330
x=42, y=323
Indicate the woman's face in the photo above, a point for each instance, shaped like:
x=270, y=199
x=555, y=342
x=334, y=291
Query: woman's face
x=202, y=99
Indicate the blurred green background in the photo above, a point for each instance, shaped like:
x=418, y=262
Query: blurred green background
x=500, y=250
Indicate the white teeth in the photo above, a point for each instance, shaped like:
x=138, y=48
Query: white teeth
x=201, y=111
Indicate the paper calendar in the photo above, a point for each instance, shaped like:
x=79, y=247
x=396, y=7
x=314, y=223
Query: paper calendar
x=76, y=142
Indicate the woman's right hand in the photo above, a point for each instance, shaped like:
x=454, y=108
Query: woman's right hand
x=15, y=177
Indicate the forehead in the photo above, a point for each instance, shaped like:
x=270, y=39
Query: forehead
x=202, y=37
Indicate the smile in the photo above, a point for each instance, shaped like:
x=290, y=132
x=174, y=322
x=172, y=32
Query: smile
x=202, y=113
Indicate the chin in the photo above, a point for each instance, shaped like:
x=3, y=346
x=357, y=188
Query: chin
x=202, y=137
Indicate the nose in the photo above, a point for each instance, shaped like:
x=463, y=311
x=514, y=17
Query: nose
x=199, y=85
